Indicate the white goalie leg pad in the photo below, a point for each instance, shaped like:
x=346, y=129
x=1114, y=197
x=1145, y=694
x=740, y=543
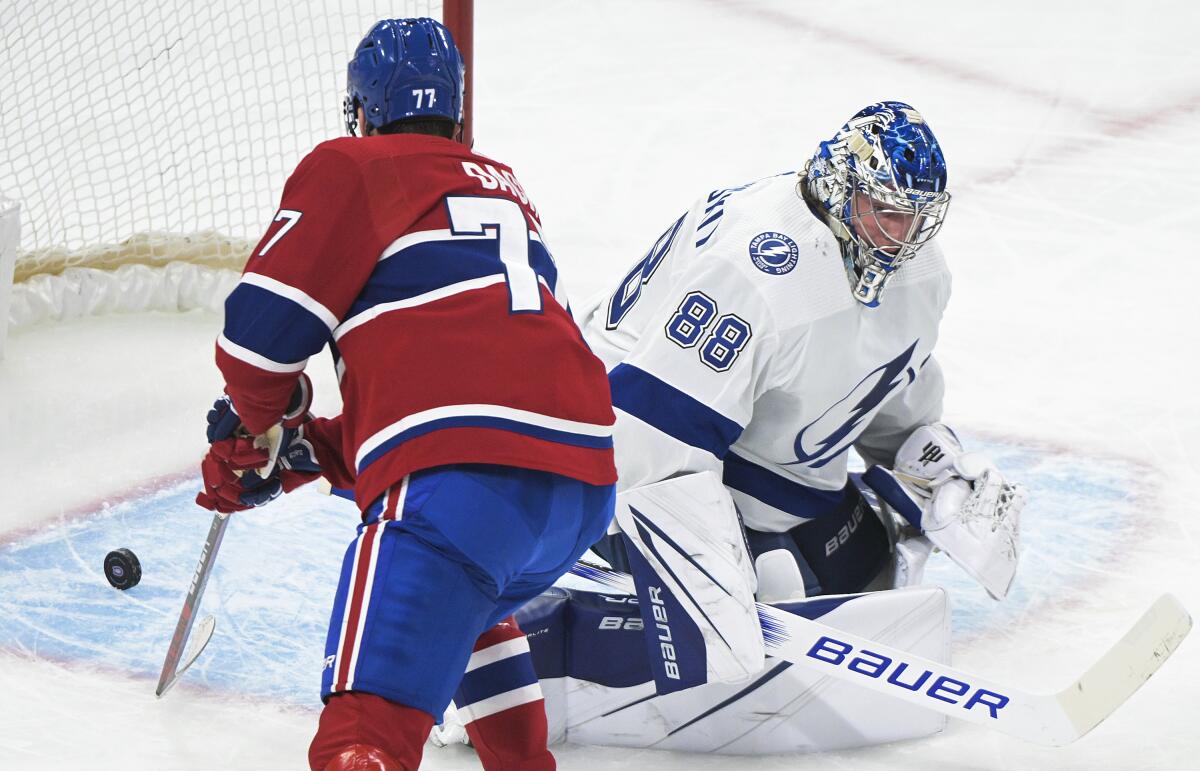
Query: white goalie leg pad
x=695, y=581
x=960, y=502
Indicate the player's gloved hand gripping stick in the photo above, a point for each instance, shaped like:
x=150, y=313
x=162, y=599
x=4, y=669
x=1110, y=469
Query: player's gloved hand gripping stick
x=248, y=472
x=242, y=471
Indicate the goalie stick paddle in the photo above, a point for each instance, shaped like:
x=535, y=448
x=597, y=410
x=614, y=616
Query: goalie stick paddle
x=1053, y=719
x=175, y=663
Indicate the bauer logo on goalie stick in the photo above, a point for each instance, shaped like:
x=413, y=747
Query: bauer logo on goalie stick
x=874, y=665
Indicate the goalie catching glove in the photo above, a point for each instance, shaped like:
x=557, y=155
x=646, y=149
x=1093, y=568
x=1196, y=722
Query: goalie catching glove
x=959, y=500
x=242, y=471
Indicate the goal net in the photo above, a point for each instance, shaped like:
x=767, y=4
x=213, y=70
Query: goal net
x=139, y=133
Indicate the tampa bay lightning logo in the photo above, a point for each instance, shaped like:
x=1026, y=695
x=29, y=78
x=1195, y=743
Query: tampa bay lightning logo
x=774, y=253
x=829, y=435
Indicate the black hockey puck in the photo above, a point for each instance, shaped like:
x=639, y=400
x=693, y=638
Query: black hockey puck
x=122, y=569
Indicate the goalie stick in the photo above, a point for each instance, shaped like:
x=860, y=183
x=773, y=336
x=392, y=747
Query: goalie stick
x=176, y=664
x=1053, y=719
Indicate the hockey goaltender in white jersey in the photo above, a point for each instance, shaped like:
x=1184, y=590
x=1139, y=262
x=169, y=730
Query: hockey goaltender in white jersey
x=736, y=346
x=769, y=330
x=775, y=326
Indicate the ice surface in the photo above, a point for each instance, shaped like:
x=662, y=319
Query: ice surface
x=1070, y=348
x=272, y=586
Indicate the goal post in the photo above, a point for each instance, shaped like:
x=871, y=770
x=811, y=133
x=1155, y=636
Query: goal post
x=459, y=18
x=146, y=132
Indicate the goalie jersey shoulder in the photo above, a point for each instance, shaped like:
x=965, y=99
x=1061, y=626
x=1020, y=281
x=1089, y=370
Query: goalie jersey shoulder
x=754, y=251
x=770, y=244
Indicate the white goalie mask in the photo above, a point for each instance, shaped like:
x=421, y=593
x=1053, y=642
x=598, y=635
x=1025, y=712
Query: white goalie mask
x=880, y=186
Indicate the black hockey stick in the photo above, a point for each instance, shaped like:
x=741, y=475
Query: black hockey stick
x=175, y=664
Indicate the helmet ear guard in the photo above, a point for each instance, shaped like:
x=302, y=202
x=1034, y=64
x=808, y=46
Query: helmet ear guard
x=879, y=184
x=404, y=68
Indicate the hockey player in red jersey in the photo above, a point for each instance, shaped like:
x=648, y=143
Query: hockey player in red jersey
x=476, y=428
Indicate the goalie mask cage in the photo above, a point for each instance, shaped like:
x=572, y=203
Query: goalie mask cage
x=141, y=133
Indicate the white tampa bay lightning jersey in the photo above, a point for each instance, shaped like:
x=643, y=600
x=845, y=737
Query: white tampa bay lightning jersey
x=735, y=345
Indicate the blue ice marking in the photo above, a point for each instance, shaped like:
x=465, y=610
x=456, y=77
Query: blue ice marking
x=271, y=590
x=272, y=587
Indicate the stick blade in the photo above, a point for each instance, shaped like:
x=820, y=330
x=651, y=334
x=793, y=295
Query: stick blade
x=202, y=633
x=1126, y=666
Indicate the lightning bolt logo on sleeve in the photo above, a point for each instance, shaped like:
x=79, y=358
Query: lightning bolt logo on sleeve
x=826, y=437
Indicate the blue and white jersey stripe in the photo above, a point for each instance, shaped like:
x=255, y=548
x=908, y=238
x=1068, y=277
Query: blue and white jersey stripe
x=274, y=286
x=671, y=411
x=255, y=359
x=543, y=265
x=531, y=424
x=433, y=264
x=369, y=313
x=770, y=495
x=415, y=269
x=273, y=326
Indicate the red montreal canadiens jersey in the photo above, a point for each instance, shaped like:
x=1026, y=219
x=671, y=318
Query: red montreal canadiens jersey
x=423, y=266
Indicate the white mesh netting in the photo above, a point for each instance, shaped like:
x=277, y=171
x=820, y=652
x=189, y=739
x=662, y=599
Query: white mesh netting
x=140, y=133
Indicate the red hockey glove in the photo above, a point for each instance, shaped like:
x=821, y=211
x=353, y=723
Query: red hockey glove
x=233, y=470
x=225, y=490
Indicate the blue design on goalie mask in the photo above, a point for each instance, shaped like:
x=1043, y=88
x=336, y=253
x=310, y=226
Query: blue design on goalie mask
x=880, y=185
x=404, y=68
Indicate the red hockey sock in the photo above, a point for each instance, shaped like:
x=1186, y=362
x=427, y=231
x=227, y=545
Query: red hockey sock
x=513, y=739
x=363, y=718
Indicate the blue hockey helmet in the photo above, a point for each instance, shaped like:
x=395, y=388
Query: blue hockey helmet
x=880, y=184
x=404, y=68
